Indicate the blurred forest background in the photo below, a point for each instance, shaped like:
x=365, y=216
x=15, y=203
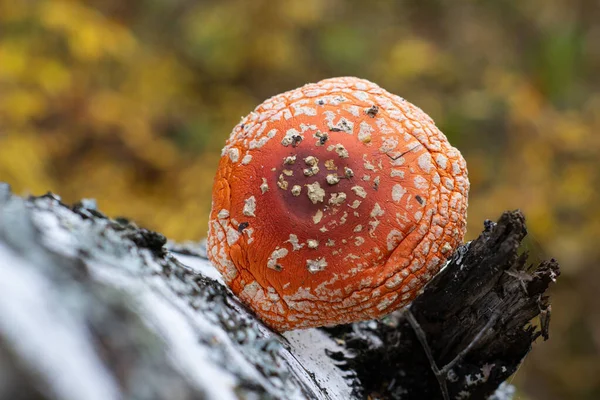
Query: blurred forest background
x=130, y=102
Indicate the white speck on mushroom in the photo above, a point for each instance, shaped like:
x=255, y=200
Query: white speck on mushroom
x=337, y=199
x=220, y=234
x=329, y=116
x=317, y=265
x=359, y=191
x=272, y=293
x=361, y=95
x=448, y=183
x=251, y=291
x=383, y=126
x=315, y=193
x=332, y=179
x=377, y=211
x=311, y=160
x=348, y=173
x=456, y=197
x=402, y=220
x=387, y=301
x=249, y=232
x=376, y=182
x=393, y=239
x=234, y=154
x=455, y=168
x=374, y=224
x=330, y=243
x=397, y=160
x=421, y=183
x=359, y=240
x=372, y=111
x=291, y=136
x=311, y=171
x=358, y=228
x=396, y=173
x=289, y=160
x=425, y=163
x=337, y=100
x=300, y=109
x=223, y=214
x=293, y=240
x=288, y=172
x=276, y=255
x=394, y=281
x=317, y=217
x=282, y=183
x=232, y=236
x=355, y=204
x=257, y=144
x=369, y=166
x=441, y=160
x=296, y=189
x=264, y=186
x=397, y=192
x=343, y=125
x=246, y=160
x=389, y=144
x=249, y=206
x=344, y=218
x=364, y=133
x=312, y=243
x=341, y=151
x=354, y=110
x=330, y=165
x=323, y=229
x=425, y=248
x=366, y=178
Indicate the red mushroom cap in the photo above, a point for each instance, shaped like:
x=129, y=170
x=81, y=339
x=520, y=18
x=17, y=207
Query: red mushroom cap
x=333, y=203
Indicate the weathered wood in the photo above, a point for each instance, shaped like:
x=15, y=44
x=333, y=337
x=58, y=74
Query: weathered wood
x=92, y=307
x=486, y=288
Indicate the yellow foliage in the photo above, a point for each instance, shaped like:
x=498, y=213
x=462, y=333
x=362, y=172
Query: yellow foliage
x=412, y=57
x=131, y=102
x=89, y=34
x=23, y=159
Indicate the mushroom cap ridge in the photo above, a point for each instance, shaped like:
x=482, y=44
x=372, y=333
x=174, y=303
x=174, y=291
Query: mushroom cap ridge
x=335, y=202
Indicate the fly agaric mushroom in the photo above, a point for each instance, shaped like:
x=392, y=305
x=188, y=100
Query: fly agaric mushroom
x=333, y=203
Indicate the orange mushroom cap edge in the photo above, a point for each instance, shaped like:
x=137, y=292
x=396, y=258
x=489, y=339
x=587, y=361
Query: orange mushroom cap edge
x=333, y=203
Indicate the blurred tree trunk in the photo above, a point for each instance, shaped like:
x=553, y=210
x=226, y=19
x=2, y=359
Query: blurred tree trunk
x=92, y=307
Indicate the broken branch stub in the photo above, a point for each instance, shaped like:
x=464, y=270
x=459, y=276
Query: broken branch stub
x=474, y=315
